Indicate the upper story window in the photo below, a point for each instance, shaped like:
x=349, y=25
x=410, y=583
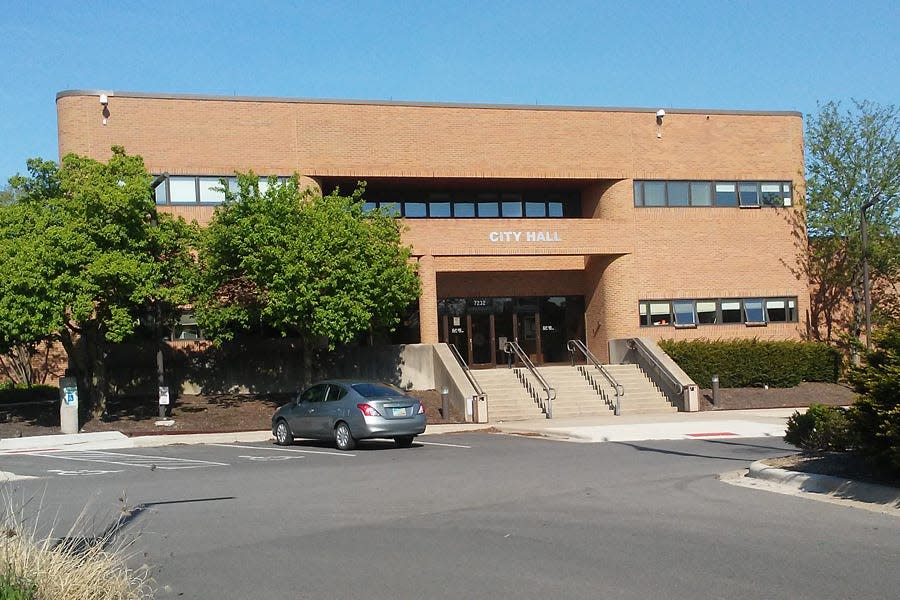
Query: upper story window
x=744, y=194
x=202, y=189
x=693, y=313
x=481, y=205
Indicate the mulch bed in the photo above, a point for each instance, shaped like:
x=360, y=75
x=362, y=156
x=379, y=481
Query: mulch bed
x=800, y=396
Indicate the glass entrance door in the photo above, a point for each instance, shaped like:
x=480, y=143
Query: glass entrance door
x=481, y=338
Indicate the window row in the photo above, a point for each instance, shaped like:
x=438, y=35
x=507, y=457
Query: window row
x=745, y=194
x=691, y=313
x=477, y=205
x=189, y=189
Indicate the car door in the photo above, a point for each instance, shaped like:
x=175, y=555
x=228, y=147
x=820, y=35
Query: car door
x=303, y=418
x=332, y=410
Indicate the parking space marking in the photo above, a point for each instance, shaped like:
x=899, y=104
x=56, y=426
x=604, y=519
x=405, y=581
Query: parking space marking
x=439, y=444
x=133, y=460
x=83, y=472
x=268, y=458
x=284, y=449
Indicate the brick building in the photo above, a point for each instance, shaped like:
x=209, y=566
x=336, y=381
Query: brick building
x=530, y=223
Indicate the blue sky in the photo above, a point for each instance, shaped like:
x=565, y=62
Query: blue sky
x=765, y=55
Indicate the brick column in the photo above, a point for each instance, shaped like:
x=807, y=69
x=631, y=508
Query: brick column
x=428, y=318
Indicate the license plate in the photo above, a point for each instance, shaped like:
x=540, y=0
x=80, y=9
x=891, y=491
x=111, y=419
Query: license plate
x=398, y=412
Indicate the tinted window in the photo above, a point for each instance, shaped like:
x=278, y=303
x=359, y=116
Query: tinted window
x=314, y=394
x=376, y=390
x=678, y=193
x=726, y=194
x=701, y=194
x=654, y=193
x=754, y=311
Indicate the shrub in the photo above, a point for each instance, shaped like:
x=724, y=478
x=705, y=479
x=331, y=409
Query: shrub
x=821, y=428
x=10, y=393
x=876, y=415
x=752, y=363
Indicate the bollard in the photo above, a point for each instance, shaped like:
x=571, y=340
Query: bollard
x=445, y=402
x=68, y=404
x=715, y=390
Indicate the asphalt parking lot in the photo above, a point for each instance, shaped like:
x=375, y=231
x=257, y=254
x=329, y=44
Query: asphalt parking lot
x=468, y=515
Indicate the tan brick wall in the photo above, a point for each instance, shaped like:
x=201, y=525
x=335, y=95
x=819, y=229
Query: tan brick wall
x=615, y=255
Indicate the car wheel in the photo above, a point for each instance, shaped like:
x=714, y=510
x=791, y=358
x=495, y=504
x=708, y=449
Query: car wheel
x=343, y=439
x=403, y=441
x=283, y=435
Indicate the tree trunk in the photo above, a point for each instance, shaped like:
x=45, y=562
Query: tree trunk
x=86, y=357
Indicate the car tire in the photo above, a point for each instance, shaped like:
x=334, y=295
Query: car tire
x=283, y=434
x=343, y=438
x=403, y=441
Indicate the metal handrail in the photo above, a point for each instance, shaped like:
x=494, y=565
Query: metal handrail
x=479, y=393
x=573, y=345
x=515, y=348
x=639, y=348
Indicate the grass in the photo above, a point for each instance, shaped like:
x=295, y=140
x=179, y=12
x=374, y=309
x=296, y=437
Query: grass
x=73, y=567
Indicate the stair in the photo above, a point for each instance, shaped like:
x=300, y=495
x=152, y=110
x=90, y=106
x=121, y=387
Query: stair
x=575, y=396
x=507, y=399
x=641, y=394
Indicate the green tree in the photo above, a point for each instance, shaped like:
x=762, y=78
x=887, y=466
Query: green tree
x=875, y=416
x=301, y=264
x=84, y=257
x=853, y=157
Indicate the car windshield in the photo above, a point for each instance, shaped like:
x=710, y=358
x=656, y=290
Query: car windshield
x=376, y=390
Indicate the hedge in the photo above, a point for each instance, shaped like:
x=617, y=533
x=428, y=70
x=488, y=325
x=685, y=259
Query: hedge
x=754, y=363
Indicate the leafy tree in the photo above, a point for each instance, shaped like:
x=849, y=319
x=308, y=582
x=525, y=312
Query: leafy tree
x=84, y=256
x=853, y=158
x=301, y=264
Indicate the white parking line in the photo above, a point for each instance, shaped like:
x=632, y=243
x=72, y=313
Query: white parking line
x=284, y=449
x=439, y=444
x=133, y=460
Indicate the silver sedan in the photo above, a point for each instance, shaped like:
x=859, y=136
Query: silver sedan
x=349, y=410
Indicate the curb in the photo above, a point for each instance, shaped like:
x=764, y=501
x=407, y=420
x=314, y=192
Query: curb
x=838, y=487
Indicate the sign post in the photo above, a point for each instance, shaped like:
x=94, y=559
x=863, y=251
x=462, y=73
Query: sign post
x=163, y=401
x=68, y=404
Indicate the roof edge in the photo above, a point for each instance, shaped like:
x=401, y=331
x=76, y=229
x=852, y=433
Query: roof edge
x=408, y=103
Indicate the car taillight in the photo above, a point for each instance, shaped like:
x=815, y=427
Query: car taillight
x=368, y=410
x=421, y=409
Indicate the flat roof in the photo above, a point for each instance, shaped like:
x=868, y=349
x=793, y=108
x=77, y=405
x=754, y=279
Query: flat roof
x=207, y=97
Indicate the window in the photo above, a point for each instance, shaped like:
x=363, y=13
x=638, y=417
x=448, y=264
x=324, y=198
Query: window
x=753, y=312
x=726, y=194
x=187, y=328
x=555, y=209
x=535, y=209
x=685, y=314
x=678, y=192
x=209, y=191
x=162, y=193
x=464, y=209
x=706, y=312
x=182, y=190
x=771, y=194
x=701, y=193
x=749, y=196
x=488, y=209
x=704, y=193
x=731, y=311
x=414, y=210
x=511, y=208
x=439, y=205
x=654, y=193
x=659, y=313
x=781, y=310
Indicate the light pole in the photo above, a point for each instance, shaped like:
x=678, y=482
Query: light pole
x=867, y=294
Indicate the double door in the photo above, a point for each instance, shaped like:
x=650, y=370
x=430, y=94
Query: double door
x=481, y=337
